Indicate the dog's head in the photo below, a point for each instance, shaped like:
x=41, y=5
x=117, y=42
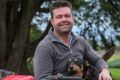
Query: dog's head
x=75, y=67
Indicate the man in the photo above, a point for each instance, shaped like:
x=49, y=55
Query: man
x=60, y=45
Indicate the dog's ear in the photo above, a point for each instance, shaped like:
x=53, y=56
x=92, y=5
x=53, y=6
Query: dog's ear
x=109, y=53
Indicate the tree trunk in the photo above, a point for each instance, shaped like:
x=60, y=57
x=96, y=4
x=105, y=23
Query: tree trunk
x=21, y=39
x=15, y=20
x=2, y=33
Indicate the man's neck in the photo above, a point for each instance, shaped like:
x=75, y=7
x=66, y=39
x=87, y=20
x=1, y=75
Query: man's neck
x=63, y=37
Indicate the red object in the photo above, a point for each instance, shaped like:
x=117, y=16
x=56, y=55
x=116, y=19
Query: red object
x=18, y=77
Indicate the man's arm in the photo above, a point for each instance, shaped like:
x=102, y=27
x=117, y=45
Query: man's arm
x=43, y=64
x=105, y=74
x=93, y=58
x=97, y=61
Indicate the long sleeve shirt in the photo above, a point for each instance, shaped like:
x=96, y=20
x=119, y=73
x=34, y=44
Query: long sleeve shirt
x=51, y=56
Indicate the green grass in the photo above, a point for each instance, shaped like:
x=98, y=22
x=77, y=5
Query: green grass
x=114, y=57
x=115, y=73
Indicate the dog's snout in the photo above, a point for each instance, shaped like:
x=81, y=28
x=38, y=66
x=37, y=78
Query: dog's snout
x=71, y=68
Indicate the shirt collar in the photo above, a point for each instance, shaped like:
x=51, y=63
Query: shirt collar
x=53, y=38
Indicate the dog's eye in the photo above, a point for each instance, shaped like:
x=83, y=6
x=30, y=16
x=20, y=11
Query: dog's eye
x=70, y=60
x=76, y=60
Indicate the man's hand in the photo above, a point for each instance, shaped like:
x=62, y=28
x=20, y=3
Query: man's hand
x=104, y=75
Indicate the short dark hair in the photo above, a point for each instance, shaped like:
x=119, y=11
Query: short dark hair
x=58, y=4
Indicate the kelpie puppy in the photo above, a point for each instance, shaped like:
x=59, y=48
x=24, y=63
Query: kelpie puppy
x=75, y=67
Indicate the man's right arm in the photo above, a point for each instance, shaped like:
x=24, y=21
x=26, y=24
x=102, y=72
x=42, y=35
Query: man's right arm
x=43, y=63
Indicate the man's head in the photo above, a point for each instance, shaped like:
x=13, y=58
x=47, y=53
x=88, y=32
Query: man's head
x=61, y=16
x=59, y=4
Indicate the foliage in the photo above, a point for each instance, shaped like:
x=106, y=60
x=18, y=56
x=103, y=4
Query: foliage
x=113, y=8
x=114, y=61
x=96, y=24
x=30, y=66
x=114, y=64
x=35, y=33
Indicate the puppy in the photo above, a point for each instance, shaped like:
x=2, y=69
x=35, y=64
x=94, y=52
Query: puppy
x=75, y=67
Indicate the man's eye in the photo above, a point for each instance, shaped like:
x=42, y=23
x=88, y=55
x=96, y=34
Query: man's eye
x=57, y=17
x=67, y=15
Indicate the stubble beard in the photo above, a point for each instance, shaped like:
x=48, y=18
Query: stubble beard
x=65, y=27
x=64, y=30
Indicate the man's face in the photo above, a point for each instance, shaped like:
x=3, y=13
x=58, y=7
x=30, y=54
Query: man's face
x=62, y=20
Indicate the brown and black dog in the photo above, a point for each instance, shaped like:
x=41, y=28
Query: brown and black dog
x=80, y=68
x=76, y=67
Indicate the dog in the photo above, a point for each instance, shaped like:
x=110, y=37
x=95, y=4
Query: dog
x=75, y=67
x=80, y=68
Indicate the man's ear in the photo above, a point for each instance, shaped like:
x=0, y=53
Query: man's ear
x=51, y=21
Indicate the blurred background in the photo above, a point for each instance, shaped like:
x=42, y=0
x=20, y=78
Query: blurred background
x=24, y=23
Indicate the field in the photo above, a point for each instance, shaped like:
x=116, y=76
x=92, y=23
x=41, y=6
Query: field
x=115, y=72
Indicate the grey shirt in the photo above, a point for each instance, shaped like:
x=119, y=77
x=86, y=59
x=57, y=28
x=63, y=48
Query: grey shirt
x=51, y=55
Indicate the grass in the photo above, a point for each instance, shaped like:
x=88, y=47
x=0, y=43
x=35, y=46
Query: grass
x=115, y=73
x=114, y=57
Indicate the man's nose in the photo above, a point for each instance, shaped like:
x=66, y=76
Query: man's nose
x=63, y=18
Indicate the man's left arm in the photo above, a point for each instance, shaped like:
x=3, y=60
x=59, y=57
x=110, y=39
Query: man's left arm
x=105, y=74
x=96, y=60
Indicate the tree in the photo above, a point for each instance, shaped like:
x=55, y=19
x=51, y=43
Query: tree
x=15, y=19
x=98, y=22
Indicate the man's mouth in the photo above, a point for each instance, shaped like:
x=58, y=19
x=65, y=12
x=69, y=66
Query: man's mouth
x=64, y=24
